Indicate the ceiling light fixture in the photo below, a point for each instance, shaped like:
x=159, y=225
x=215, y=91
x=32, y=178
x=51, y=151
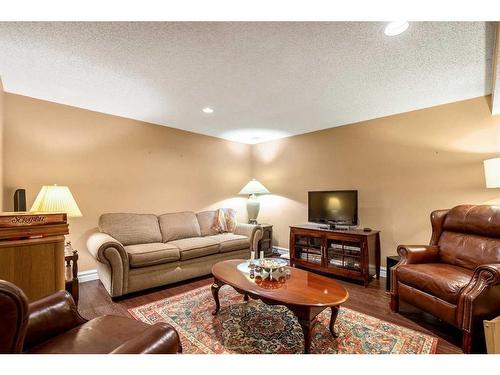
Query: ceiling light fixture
x=208, y=110
x=396, y=28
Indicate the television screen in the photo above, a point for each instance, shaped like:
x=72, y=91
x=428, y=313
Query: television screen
x=340, y=207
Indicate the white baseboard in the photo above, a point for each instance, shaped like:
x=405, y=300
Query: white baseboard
x=89, y=275
x=283, y=250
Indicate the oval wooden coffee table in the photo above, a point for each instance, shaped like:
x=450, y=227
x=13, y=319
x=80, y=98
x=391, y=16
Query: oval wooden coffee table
x=305, y=293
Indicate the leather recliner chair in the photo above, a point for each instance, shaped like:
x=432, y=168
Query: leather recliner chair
x=53, y=325
x=457, y=276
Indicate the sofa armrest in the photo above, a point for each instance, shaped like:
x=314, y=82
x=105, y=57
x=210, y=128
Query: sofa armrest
x=110, y=252
x=414, y=254
x=254, y=232
x=51, y=316
x=160, y=338
x=99, y=242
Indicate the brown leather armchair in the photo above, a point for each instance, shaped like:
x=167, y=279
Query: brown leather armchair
x=457, y=276
x=53, y=325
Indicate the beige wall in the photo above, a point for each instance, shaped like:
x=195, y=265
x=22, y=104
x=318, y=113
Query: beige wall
x=1, y=141
x=404, y=166
x=113, y=164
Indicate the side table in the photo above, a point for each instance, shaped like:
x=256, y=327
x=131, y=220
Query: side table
x=71, y=271
x=391, y=262
x=266, y=243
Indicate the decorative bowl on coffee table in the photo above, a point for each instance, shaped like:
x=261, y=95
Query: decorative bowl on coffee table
x=271, y=264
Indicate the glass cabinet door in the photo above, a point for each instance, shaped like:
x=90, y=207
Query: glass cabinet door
x=308, y=248
x=343, y=254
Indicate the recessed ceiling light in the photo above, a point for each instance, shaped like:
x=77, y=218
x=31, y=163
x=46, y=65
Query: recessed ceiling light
x=208, y=110
x=396, y=28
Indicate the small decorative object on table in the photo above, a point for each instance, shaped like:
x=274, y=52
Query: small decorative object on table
x=270, y=265
x=251, y=264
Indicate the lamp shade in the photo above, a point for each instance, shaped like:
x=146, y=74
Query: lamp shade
x=254, y=187
x=56, y=199
x=492, y=172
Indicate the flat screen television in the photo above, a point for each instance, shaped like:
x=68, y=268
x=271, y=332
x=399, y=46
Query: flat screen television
x=333, y=207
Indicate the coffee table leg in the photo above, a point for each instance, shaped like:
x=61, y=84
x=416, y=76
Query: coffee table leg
x=246, y=298
x=306, y=326
x=215, y=293
x=335, y=313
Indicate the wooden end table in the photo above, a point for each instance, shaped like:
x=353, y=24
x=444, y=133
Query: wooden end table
x=306, y=294
x=266, y=242
x=71, y=271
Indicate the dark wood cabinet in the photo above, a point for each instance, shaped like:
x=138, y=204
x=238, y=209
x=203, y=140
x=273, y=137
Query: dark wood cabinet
x=353, y=254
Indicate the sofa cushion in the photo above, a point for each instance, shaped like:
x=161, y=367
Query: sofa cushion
x=441, y=280
x=149, y=254
x=179, y=225
x=230, y=242
x=206, y=220
x=195, y=247
x=131, y=229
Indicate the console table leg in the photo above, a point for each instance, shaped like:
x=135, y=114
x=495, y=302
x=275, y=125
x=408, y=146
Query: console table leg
x=215, y=293
x=335, y=313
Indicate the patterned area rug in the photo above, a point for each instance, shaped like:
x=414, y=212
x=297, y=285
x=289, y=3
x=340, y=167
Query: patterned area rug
x=254, y=327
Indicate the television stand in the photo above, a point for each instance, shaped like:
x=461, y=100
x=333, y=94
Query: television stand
x=334, y=226
x=350, y=253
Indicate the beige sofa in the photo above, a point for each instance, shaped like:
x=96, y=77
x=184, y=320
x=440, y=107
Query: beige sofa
x=141, y=251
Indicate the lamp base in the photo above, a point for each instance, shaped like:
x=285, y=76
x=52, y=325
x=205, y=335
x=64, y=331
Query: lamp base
x=253, y=207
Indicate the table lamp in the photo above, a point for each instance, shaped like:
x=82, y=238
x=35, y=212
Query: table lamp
x=56, y=198
x=251, y=189
x=492, y=172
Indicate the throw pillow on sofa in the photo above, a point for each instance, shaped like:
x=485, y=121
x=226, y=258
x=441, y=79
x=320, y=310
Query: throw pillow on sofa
x=225, y=220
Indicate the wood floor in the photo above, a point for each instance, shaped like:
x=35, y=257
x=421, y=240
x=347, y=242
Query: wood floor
x=374, y=301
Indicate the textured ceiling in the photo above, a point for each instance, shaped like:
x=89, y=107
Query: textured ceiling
x=264, y=80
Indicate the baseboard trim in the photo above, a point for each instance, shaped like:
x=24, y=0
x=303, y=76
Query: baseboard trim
x=284, y=250
x=89, y=275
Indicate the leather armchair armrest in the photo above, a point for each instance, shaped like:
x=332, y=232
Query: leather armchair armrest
x=411, y=254
x=160, y=338
x=254, y=232
x=482, y=292
x=414, y=254
x=490, y=273
x=51, y=316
